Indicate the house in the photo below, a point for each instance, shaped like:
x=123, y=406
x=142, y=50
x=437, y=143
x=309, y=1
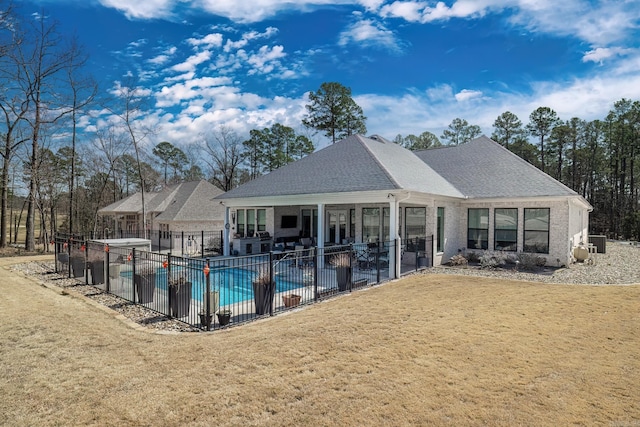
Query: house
x=177, y=209
x=441, y=202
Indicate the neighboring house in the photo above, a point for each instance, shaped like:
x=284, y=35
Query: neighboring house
x=185, y=207
x=472, y=197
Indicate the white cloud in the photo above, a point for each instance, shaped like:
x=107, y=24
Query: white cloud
x=266, y=59
x=466, y=94
x=164, y=57
x=600, y=54
x=588, y=98
x=209, y=41
x=601, y=22
x=258, y=10
x=178, y=93
x=192, y=62
x=247, y=37
x=141, y=9
x=367, y=32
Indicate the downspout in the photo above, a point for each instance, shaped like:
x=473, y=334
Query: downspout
x=226, y=241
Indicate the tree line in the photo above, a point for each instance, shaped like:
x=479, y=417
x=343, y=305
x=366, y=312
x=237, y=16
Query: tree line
x=67, y=175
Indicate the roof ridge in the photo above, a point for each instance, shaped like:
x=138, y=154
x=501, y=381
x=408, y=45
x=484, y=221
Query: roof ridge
x=375, y=158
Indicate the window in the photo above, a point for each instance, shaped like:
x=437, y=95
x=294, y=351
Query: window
x=375, y=226
x=370, y=224
x=415, y=228
x=241, y=222
x=440, y=231
x=478, y=229
x=262, y=220
x=536, y=230
x=248, y=223
x=352, y=223
x=164, y=231
x=506, y=229
x=251, y=222
x=309, y=223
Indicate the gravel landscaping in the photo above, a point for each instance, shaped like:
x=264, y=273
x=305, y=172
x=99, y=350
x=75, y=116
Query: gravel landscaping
x=619, y=266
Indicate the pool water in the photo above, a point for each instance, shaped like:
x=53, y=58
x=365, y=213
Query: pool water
x=233, y=284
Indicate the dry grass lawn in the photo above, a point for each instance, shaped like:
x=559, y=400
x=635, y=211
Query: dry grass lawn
x=425, y=350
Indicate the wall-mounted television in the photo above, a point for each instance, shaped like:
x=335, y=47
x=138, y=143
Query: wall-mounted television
x=289, y=221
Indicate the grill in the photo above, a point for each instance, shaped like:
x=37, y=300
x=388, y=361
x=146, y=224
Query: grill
x=263, y=235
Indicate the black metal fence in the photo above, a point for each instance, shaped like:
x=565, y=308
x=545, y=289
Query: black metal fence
x=210, y=293
x=190, y=243
x=416, y=254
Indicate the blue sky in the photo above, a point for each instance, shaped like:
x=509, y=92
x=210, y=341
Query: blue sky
x=413, y=66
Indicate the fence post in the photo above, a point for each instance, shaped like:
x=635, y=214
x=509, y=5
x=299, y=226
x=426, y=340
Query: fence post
x=378, y=263
x=55, y=253
x=107, y=270
x=86, y=270
x=182, y=243
x=350, y=276
x=208, y=315
x=202, y=242
x=397, y=258
x=272, y=286
x=168, y=277
x=69, y=243
x=315, y=274
x=133, y=275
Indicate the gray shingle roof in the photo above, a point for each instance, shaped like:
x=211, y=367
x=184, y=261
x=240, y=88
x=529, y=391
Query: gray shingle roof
x=354, y=164
x=192, y=201
x=188, y=201
x=482, y=168
x=132, y=203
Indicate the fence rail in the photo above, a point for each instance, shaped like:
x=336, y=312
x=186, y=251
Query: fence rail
x=189, y=243
x=213, y=292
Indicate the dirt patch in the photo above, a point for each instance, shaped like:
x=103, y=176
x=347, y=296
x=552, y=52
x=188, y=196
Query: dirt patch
x=425, y=350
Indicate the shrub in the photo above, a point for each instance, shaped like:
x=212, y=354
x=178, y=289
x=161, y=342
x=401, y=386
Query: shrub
x=458, y=259
x=263, y=278
x=490, y=260
x=473, y=257
x=341, y=260
x=527, y=261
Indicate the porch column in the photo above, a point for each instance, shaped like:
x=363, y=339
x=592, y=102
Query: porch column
x=225, y=233
x=394, y=255
x=320, y=226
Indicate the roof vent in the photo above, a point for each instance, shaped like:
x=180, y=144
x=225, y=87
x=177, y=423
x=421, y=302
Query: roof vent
x=377, y=138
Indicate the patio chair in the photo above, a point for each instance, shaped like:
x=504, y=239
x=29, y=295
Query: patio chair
x=299, y=255
x=308, y=258
x=364, y=258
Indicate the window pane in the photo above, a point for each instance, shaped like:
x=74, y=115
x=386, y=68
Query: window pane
x=262, y=219
x=241, y=222
x=506, y=229
x=536, y=219
x=306, y=222
x=536, y=230
x=479, y=218
x=478, y=229
x=251, y=222
x=385, y=224
x=352, y=223
x=370, y=224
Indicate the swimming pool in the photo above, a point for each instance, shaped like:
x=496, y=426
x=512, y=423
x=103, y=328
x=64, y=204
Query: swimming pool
x=234, y=284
